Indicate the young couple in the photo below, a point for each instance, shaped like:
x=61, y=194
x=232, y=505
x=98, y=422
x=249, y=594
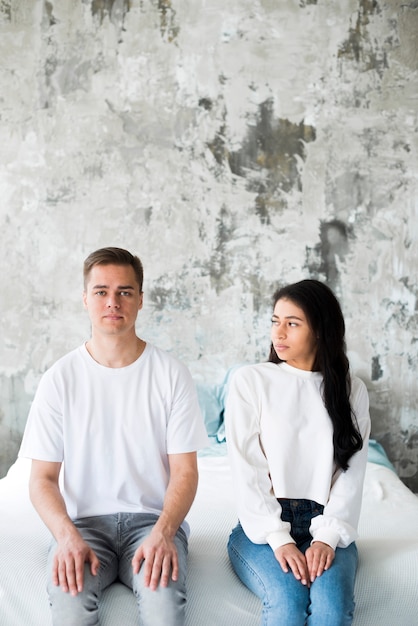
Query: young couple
x=113, y=433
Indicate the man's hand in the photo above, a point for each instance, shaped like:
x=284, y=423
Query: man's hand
x=158, y=556
x=68, y=564
x=319, y=557
x=158, y=553
x=72, y=551
x=289, y=556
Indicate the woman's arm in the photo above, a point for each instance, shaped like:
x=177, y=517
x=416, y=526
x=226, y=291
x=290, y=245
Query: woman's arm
x=338, y=524
x=258, y=509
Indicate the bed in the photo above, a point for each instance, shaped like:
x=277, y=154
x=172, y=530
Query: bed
x=386, y=587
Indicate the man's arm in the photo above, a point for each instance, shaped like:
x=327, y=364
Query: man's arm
x=158, y=550
x=72, y=551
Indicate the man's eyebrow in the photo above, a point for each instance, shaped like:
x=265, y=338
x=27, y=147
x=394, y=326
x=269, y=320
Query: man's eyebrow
x=120, y=287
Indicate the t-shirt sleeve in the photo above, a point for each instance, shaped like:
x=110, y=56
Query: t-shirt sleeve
x=43, y=435
x=186, y=430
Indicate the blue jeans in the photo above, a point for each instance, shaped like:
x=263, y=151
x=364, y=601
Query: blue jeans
x=286, y=602
x=114, y=539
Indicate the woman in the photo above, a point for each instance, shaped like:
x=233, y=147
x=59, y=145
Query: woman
x=297, y=429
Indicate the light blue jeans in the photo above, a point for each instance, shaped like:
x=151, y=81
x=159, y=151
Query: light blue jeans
x=115, y=538
x=286, y=602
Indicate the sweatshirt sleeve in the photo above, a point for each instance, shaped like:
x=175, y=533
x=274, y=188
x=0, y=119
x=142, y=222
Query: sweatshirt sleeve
x=258, y=509
x=338, y=525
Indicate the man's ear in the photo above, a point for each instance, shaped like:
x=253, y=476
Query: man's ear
x=84, y=299
x=141, y=300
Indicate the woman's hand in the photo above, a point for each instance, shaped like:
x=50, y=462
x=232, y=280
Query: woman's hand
x=289, y=556
x=319, y=557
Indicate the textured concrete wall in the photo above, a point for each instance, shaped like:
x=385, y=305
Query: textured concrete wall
x=232, y=145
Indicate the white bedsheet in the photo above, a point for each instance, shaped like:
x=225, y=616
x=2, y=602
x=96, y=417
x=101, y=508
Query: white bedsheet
x=386, y=587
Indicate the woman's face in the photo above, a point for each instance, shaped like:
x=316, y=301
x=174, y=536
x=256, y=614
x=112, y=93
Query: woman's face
x=292, y=336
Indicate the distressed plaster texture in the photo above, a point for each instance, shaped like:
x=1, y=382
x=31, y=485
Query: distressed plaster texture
x=233, y=146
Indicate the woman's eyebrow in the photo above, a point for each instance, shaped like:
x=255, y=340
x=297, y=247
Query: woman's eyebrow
x=289, y=317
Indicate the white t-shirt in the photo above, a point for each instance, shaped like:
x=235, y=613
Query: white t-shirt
x=279, y=438
x=113, y=429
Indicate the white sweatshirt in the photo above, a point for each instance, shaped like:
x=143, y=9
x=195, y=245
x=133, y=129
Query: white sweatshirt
x=279, y=438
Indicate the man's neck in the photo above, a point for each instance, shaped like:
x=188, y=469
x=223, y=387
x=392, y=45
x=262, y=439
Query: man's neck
x=115, y=352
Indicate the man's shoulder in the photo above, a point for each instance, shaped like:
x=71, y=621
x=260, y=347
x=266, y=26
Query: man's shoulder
x=165, y=360
x=65, y=362
x=165, y=365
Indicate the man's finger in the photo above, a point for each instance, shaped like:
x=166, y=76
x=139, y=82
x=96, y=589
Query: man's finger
x=156, y=572
x=175, y=567
x=137, y=561
x=78, y=577
x=94, y=563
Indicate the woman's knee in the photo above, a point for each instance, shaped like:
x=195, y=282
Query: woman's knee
x=332, y=594
x=331, y=612
x=284, y=598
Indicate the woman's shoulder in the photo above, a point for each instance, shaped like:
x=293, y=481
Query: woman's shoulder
x=358, y=386
x=254, y=373
x=359, y=400
x=249, y=369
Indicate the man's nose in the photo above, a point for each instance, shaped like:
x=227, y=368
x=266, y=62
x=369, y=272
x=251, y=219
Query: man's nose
x=113, y=301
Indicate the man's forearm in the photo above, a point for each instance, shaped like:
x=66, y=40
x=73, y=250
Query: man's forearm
x=180, y=494
x=47, y=499
x=72, y=551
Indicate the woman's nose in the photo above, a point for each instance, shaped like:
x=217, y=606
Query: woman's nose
x=279, y=331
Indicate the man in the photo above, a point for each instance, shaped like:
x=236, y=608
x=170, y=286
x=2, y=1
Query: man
x=121, y=419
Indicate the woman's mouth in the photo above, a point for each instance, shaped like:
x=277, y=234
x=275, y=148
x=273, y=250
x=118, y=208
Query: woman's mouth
x=279, y=347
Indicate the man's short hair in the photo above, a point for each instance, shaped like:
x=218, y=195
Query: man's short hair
x=114, y=256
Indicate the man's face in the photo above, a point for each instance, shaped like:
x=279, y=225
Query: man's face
x=112, y=299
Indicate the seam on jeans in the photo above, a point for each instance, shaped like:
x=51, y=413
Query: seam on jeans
x=101, y=571
x=254, y=574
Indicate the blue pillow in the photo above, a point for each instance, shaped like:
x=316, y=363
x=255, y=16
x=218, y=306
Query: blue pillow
x=223, y=392
x=210, y=405
x=377, y=454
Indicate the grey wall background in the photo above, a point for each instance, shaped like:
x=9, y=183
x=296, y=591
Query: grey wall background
x=233, y=146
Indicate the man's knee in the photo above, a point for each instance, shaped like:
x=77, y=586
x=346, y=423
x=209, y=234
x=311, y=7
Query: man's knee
x=79, y=610
x=165, y=605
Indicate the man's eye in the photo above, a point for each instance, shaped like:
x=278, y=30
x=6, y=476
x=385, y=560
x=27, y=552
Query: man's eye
x=100, y=293
x=125, y=293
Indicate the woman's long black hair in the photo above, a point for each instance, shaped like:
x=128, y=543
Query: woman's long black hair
x=326, y=320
